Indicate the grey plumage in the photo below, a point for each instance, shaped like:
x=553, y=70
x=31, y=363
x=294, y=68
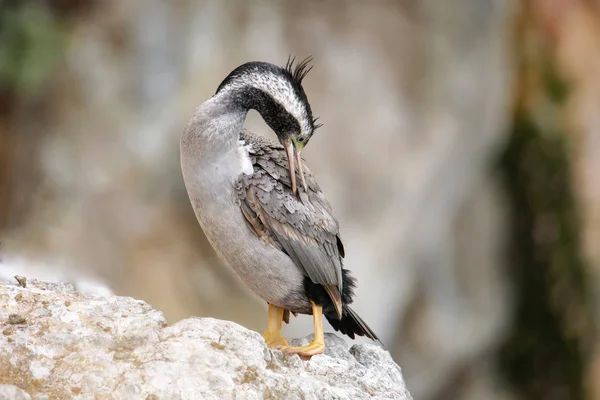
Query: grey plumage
x=212, y=161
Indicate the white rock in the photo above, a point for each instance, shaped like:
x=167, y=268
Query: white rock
x=11, y=392
x=57, y=343
x=10, y=266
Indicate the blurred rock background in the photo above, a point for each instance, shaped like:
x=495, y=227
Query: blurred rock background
x=460, y=151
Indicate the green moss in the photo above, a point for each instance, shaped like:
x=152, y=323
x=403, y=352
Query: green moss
x=31, y=43
x=546, y=354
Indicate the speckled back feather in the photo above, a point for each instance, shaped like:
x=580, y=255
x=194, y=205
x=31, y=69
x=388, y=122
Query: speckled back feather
x=302, y=227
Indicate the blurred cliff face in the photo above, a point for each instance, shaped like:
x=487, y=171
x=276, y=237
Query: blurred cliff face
x=416, y=101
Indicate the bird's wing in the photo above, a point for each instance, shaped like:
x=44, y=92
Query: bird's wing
x=304, y=228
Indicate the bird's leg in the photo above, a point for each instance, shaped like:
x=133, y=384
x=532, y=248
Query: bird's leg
x=273, y=333
x=317, y=346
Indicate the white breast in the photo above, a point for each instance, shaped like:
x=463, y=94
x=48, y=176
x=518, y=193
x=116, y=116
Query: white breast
x=244, y=158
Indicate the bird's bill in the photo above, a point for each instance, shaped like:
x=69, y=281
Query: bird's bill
x=300, y=169
x=290, y=150
x=293, y=156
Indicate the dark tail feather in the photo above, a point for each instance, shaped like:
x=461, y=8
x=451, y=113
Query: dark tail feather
x=351, y=324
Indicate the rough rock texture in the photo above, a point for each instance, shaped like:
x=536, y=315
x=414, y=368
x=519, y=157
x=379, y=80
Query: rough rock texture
x=57, y=343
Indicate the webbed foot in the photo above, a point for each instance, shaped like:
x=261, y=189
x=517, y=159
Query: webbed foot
x=314, y=348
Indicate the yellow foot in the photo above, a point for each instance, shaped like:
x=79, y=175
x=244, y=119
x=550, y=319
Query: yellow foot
x=314, y=348
x=274, y=339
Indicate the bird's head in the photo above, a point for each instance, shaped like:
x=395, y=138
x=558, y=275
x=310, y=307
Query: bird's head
x=278, y=96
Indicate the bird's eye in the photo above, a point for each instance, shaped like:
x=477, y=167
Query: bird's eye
x=301, y=139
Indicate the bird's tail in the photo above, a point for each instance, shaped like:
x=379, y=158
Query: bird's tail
x=351, y=324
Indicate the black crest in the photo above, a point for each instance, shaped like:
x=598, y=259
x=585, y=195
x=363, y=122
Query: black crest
x=298, y=71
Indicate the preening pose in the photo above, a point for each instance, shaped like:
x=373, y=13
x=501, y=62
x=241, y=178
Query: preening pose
x=281, y=240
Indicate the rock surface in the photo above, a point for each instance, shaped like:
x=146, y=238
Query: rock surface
x=57, y=343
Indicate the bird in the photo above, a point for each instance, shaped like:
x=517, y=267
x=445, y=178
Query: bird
x=282, y=240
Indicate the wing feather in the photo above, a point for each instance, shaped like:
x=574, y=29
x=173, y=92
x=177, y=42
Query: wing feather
x=304, y=228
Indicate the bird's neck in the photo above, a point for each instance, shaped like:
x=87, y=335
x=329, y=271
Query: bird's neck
x=217, y=123
x=214, y=129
